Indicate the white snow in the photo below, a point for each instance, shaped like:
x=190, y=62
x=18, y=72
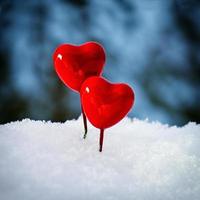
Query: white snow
x=140, y=161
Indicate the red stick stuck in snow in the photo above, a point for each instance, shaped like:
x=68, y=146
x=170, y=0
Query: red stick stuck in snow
x=101, y=140
x=84, y=122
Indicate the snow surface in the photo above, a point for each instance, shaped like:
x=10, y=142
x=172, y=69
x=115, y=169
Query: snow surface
x=140, y=160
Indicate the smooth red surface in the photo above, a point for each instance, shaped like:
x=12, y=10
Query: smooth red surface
x=105, y=103
x=74, y=64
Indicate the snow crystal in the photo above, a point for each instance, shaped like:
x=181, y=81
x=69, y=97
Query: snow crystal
x=140, y=160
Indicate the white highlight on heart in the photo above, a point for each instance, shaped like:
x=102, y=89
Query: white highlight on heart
x=87, y=89
x=59, y=56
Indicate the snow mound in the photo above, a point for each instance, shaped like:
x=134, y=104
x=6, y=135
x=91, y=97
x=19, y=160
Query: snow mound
x=140, y=160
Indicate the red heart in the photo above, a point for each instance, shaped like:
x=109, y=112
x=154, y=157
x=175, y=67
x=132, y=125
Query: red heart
x=74, y=64
x=105, y=103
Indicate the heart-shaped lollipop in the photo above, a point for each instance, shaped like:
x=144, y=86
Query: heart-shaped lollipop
x=105, y=103
x=74, y=64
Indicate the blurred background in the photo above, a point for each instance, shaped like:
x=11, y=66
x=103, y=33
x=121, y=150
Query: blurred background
x=153, y=45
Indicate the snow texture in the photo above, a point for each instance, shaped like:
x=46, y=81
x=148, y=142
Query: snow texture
x=140, y=161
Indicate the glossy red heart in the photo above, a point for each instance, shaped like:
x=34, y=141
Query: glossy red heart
x=105, y=103
x=74, y=64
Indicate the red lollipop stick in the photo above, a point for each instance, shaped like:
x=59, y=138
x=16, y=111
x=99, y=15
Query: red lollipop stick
x=74, y=64
x=101, y=140
x=84, y=122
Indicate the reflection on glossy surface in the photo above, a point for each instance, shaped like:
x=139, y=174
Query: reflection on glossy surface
x=105, y=103
x=74, y=64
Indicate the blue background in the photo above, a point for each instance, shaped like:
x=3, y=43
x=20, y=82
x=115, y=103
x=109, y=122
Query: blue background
x=153, y=45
